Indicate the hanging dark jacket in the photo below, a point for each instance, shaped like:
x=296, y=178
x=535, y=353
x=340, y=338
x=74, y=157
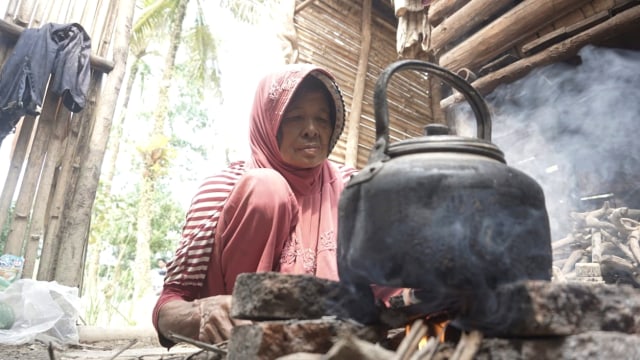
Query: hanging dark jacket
x=59, y=49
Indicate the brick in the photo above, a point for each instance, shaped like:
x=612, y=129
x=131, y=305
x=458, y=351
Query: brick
x=276, y=296
x=273, y=339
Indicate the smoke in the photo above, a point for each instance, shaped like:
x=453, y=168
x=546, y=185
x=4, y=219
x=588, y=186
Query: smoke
x=574, y=129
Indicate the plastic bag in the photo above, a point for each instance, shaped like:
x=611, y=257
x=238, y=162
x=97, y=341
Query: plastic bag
x=44, y=310
x=10, y=269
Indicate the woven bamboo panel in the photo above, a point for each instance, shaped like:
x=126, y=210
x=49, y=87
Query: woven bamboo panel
x=329, y=35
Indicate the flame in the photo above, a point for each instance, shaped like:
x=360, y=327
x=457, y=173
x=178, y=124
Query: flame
x=435, y=329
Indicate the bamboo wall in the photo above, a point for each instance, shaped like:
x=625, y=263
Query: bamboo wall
x=51, y=151
x=329, y=34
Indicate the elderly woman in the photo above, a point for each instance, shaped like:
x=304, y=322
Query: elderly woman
x=278, y=211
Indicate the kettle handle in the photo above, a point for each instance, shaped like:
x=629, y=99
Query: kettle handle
x=381, y=108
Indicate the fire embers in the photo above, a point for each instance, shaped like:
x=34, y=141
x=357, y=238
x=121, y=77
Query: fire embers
x=603, y=247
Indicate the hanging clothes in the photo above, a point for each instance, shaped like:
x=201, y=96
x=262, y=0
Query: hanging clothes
x=61, y=50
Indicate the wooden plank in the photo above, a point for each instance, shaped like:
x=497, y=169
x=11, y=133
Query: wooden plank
x=465, y=19
x=505, y=32
x=611, y=28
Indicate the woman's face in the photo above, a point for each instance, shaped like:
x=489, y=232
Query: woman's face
x=305, y=129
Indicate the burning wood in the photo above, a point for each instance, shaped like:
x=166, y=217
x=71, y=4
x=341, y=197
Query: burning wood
x=608, y=237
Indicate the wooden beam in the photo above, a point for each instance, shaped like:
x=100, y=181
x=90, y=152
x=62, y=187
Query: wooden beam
x=466, y=18
x=13, y=32
x=505, y=32
x=303, y=5
x=353, y=123
x=611, y=28
x=440, y=9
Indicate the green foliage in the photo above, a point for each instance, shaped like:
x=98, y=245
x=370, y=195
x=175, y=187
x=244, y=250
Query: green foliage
x=113, y=230
x=248, y=11
x=4, y=232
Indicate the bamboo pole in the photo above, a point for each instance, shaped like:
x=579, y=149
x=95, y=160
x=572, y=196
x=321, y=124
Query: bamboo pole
x=611, y=28
x=353, y=123
x=104, y=40
x=24, y=202
x=466, y=18
x=36, y=22
x=66, y=177
x=43, y=196
x=23, y=16
x=18, y=156
x=75, y=231
x=505, y=32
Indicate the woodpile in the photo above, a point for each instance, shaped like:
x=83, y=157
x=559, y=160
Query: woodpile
x=603, y=246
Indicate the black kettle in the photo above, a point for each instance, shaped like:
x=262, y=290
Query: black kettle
x=442, y=213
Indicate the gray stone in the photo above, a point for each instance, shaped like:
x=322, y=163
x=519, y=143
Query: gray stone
x=588, y=345
x=541, y=308
x=276, y=296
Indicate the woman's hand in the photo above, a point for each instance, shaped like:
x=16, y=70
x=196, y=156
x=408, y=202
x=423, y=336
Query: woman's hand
x=207, y=320
x=215, y=321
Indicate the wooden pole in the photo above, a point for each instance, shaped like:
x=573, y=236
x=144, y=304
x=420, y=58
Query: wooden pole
x=466, y=18
x=611, y=28
x=505, y=32
x=353, y=123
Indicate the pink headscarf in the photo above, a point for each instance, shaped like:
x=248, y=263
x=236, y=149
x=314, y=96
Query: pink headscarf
x=313, y=245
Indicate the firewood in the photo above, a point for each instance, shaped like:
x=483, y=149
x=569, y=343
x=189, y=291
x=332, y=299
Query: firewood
x=468, y=345
x=569, y=239
x=616, y=219
x=596, y=246
x=572, y=260
x=625, y=248
x=616, y=270
x=634, y=243
x=558, y=276
x=409, y=344
x=581, y=217
x=428, y=351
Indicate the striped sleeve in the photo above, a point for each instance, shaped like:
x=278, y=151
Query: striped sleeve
x=190, y=263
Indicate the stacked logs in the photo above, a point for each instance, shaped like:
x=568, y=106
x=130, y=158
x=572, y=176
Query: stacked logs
x=603, y=245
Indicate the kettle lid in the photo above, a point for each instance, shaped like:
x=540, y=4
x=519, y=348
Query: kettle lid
x=438, y=139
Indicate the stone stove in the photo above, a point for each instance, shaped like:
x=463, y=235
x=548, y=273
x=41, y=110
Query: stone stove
x=303, y=317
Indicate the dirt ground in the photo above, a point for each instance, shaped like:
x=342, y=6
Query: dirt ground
x=100, y=344
x=105, y=350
